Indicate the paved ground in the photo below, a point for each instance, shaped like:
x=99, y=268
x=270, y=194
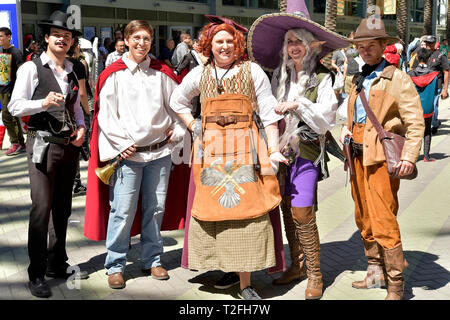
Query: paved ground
x=423, y=217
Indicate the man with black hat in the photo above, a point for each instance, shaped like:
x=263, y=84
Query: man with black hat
x=394, y=100
x=437, y=62
x=47, y=90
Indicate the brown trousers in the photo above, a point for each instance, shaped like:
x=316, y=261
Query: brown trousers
x=376, y=201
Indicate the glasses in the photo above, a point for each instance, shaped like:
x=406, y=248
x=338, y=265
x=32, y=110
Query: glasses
x=138, y=39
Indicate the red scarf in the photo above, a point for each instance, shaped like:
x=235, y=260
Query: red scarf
x=97, y=195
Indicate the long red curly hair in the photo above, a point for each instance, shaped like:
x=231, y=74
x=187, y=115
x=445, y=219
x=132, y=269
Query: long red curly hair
x=205, y=43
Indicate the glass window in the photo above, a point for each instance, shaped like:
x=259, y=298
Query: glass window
x=417, y=9
x=442, y=12
x=319, y=6
x=240, y=3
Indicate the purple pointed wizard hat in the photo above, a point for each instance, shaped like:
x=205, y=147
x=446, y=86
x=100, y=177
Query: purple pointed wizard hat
x=266, y=35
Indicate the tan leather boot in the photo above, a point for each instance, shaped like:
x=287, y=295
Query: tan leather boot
x=395, y=265
x=375, y=277
x=308, y=235
x=297, y=270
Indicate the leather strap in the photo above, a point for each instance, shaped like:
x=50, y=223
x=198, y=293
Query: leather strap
x=153, y=147
x=226, y=120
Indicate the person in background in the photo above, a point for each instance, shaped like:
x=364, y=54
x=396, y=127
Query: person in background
x=10, y=60
x=117, y=54
x=445, y=47
x=167, y=52
x=103, y=54
x=425, y=81
x=437, y=62
x=181, y=49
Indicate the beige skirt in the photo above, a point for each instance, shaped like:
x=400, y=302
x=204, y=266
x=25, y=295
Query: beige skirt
x=235, y=245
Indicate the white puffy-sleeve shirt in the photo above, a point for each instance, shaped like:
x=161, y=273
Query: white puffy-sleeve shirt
x=134, y=109
x=181, y=98
x=319, y=116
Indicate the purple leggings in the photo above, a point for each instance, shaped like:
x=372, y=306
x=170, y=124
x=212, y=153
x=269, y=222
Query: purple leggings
x=301, y=182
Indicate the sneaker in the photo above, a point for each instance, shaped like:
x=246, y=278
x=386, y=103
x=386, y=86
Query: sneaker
x=429, y=159
x=227, y=281
x=12, y=149
x=249, y=294
x=79, y=188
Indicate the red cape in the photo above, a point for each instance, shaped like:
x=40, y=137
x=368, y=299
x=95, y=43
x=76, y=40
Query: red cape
x=97, y=195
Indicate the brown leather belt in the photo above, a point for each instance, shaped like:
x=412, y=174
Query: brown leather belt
x=226, y=120
x=153, y=147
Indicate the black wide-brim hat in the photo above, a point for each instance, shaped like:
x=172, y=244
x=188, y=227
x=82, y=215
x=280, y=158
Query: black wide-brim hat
x=58, y=19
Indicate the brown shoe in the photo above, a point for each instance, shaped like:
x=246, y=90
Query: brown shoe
x=395, y=265
x=314, y=288
x=375, y=277
x=116, y=281
x=297, y=270
x=308, y=236
x=158, y=273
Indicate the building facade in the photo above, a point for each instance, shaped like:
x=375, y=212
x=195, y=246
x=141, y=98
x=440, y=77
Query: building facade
x=171, y=17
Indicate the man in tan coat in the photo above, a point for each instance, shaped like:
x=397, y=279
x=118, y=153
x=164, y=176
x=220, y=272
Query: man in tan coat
x=392, y=97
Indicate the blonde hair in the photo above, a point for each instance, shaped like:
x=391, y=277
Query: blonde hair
x=308, y=64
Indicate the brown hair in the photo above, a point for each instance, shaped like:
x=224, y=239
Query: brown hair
x=205, y=43
x=135, y=25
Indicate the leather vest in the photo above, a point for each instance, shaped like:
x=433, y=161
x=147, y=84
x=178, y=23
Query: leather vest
x=54, y=119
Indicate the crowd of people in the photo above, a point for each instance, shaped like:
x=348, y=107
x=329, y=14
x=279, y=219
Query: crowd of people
x=253, y=118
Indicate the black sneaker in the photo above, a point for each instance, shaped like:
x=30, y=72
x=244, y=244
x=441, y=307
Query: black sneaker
x=227, y=281
x=79, y=189
x=249, y=294
x=39, y=288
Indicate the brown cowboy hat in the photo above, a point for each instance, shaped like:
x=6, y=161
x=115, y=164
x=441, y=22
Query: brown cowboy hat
x=370, y=29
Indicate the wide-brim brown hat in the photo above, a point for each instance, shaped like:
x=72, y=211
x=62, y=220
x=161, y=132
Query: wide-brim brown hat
x=58, y=19
x=371, y=29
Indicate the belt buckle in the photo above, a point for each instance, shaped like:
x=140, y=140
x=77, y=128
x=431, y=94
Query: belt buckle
x=66, y=141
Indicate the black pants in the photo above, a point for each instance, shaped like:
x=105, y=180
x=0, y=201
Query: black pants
x=51, y=192
x=427, y=138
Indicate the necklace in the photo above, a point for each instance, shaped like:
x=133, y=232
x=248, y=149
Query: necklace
x=219, y=81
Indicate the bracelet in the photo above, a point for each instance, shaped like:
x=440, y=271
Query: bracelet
x=271, y=150
x=190, y=124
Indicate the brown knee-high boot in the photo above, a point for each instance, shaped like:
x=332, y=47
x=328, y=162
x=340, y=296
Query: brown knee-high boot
x=297, y=270
x=308, y=235
x=375, y=277
x=395, y=265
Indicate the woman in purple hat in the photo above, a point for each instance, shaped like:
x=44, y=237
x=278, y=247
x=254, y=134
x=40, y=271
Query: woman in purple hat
x=304, y=90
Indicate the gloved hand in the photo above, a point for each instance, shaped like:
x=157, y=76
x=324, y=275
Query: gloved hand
x=275, y=159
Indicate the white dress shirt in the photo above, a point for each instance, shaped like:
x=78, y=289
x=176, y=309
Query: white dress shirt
x=26, y=83
x=189, y=88
x=134, y=109
x=319, y=116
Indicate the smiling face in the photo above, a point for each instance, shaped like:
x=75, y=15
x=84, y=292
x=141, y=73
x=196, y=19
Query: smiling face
x=4, y=39
x=371, y=51
x=59, y=41
x=139, y=44
x=222, y=47
x=295, y=47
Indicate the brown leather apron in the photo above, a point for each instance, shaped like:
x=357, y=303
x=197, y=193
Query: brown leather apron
x=232, y=173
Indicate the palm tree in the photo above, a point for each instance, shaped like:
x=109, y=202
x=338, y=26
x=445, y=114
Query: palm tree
x=330, y=15
x=401, y=19
x=427, y=17
x=283, y=5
